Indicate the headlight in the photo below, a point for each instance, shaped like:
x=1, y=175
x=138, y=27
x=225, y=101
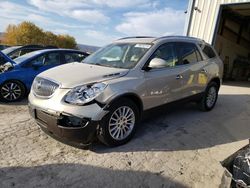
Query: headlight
x=84, y=94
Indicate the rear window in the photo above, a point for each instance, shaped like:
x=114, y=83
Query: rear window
x=208, y=52
x=10, y=49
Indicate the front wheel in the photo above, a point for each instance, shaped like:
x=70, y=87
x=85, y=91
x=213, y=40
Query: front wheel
x=11, y=91
x=209, y=98
x=119, y=125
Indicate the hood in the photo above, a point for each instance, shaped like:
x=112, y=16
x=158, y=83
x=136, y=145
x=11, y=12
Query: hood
x=7, y=58
x=75, y=74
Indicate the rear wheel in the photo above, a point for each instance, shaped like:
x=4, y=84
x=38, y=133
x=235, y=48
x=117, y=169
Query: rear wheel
x=209, y=98
x=11, y=91
x=119, y=125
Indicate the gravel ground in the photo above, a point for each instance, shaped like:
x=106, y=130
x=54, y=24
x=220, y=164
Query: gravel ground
x=174, y=147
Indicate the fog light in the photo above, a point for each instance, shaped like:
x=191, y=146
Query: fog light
x=72, y=122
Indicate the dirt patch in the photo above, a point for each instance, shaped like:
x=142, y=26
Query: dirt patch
x=174, y=147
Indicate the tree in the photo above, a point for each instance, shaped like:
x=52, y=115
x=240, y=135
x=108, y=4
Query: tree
x=27, y=33
x=66, y=41
x=50, y=39
x=10, y=35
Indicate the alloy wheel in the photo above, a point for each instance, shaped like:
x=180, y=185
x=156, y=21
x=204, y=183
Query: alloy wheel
x=121, y=123
x=11, y=91
x=211, y=96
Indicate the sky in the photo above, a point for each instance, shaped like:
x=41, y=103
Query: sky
x=98, y=22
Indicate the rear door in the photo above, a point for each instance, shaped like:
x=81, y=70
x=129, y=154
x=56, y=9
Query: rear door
x=192, y=77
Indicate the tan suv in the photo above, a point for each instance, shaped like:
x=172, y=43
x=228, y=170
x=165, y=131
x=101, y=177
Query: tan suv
x=105, y=95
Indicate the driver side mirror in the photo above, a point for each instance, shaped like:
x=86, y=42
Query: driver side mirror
x=157, y=63
x=37, y=64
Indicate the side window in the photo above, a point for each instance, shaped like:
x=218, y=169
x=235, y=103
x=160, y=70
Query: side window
x=39, y=59
x=73, y=57
x=46, y=59
x=166, y=52
x=208, y=52
x=15, y=54
x=52, y=59
x=187, y=53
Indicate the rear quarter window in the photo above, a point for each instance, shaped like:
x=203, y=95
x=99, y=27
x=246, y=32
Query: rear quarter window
x=208, y=52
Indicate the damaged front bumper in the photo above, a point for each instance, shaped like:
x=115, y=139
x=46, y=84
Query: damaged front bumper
x=65, y=127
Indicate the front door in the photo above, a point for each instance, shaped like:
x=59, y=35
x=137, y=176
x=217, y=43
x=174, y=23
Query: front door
x=164, y=84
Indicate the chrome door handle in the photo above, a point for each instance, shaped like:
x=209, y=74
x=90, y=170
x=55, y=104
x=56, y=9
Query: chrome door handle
x=203, y=71
x=179, y=77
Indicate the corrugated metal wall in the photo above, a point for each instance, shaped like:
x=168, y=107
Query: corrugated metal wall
x=203, y=17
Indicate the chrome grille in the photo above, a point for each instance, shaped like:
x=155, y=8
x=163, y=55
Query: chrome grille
x=44, y=88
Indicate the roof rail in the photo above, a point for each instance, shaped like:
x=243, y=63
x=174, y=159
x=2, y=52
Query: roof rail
x=178, y=36
x=136, y=37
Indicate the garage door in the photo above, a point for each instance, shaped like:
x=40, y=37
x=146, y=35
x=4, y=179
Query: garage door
x=232, y=41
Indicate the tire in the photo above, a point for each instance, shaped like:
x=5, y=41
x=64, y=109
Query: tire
x=11, y=91
x=209, y=98
x=119, y=125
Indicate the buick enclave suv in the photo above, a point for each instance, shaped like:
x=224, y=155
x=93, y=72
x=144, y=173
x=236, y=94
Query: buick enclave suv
x=106, y=94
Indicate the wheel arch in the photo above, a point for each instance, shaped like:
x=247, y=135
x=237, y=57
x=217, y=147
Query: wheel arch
x=216, y=80
x=131, y=96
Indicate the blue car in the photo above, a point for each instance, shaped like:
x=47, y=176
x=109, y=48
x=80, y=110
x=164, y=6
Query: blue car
x=16, y=76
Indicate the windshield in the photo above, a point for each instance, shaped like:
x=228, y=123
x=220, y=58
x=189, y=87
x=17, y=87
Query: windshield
x=119, y=55
x=10, y=49
x=22, y=58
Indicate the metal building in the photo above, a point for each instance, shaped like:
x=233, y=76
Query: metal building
x=226, y=25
